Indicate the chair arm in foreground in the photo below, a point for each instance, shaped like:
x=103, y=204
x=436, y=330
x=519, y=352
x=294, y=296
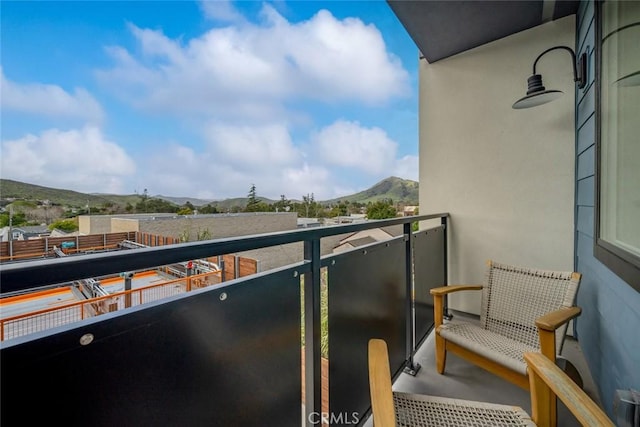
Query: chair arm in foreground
x=548, y=381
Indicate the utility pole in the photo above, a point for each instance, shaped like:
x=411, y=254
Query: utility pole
x=10, y=232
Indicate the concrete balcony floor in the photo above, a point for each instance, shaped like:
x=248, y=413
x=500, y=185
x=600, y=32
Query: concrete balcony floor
x=463, y=380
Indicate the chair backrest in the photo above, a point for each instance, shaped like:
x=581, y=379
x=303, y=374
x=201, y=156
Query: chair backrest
x=514, y=297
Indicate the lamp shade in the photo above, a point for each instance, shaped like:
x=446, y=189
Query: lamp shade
x=537, y=94
x=629, y=80
x=536, y=99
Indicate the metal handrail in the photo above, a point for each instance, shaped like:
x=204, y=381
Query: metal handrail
x=39, y=273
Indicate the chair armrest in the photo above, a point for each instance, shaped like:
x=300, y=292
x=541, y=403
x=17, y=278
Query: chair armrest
x=443, y=290
x=547, y=380
x=555, y=319
x=380, y=387
x=438, y=299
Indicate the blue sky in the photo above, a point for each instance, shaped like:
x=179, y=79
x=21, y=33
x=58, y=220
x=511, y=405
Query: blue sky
x=203, y=99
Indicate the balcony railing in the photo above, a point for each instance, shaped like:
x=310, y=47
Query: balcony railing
x=51, y=317
x=228, y=354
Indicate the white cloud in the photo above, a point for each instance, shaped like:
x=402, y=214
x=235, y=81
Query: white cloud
x=80, y=159
x=348, y=144
x=251, y=147
x=221, y=10
x=252, y=70
x=49, y=100
x=234, y=157
x=407, y=168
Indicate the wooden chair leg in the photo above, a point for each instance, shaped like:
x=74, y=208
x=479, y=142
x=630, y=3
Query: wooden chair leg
x=441, y=354
x=441, y=351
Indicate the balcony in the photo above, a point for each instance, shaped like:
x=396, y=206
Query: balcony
x=228, y=354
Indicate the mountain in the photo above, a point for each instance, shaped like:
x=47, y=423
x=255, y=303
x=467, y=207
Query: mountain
x=183, y=200
x=397, y=189
x=22, y=190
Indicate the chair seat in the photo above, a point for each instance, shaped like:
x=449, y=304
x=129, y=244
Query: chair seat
x=490, y=345
x=431, y=411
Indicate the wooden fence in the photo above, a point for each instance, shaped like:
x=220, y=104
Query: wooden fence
x=237, y=266
x=234, y=266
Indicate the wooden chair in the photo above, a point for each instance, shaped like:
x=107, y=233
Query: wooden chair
x=391, y=409
x=523, y=310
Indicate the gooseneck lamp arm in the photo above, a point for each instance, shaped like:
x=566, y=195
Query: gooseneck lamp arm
x=573, y=60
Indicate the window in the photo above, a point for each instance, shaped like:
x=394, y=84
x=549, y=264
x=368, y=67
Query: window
x=618, y=132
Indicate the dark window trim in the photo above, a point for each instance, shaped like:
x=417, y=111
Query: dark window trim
x=624, y=264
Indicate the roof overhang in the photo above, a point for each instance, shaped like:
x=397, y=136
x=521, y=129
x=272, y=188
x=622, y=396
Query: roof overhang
x=445, y=28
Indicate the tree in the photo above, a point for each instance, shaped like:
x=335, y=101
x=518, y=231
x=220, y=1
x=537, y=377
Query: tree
x=67, y=225
x=155, y=205
x=253, y=204
x=309, y=207
x=17, y=219
x=203, y=234
x=184, y=211
x=282, y=204
x=208, y=209
x=339, y=210
x=381, y=209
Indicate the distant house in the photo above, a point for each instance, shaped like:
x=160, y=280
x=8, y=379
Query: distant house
x=409, y=210
x=60, y=233
x=348, y=219
x=308, y=222
x=367, y=237
x=25, y=232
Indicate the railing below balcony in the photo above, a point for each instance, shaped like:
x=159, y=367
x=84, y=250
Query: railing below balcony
x=68, y=313
x=228, y=354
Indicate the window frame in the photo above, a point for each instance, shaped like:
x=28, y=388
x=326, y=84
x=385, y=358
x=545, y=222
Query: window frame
x=621, y=262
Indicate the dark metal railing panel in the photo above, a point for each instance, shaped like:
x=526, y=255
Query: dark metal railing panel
x=222, y=356
x=430, y=272
x=367, y=295
x=30, y=274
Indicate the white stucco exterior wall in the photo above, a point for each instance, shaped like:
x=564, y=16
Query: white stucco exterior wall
x=506, y=176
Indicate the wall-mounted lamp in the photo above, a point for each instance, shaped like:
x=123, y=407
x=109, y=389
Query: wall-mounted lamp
x=536, y=92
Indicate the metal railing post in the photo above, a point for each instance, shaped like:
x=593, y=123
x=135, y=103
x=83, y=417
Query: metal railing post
x=445, y=309
x=411, y=367
x=312, y=351
x=127, y=287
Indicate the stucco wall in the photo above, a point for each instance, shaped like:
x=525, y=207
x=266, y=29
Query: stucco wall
x=119, y=225
x=222, y=225
x=94, y=224
x=506, y=176
x=608, y=327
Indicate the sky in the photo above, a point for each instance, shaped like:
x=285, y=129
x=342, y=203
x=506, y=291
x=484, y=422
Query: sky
x=205, y=99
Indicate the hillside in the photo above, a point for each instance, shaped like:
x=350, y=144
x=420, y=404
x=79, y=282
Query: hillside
x=397, y=189
x=21, y=190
